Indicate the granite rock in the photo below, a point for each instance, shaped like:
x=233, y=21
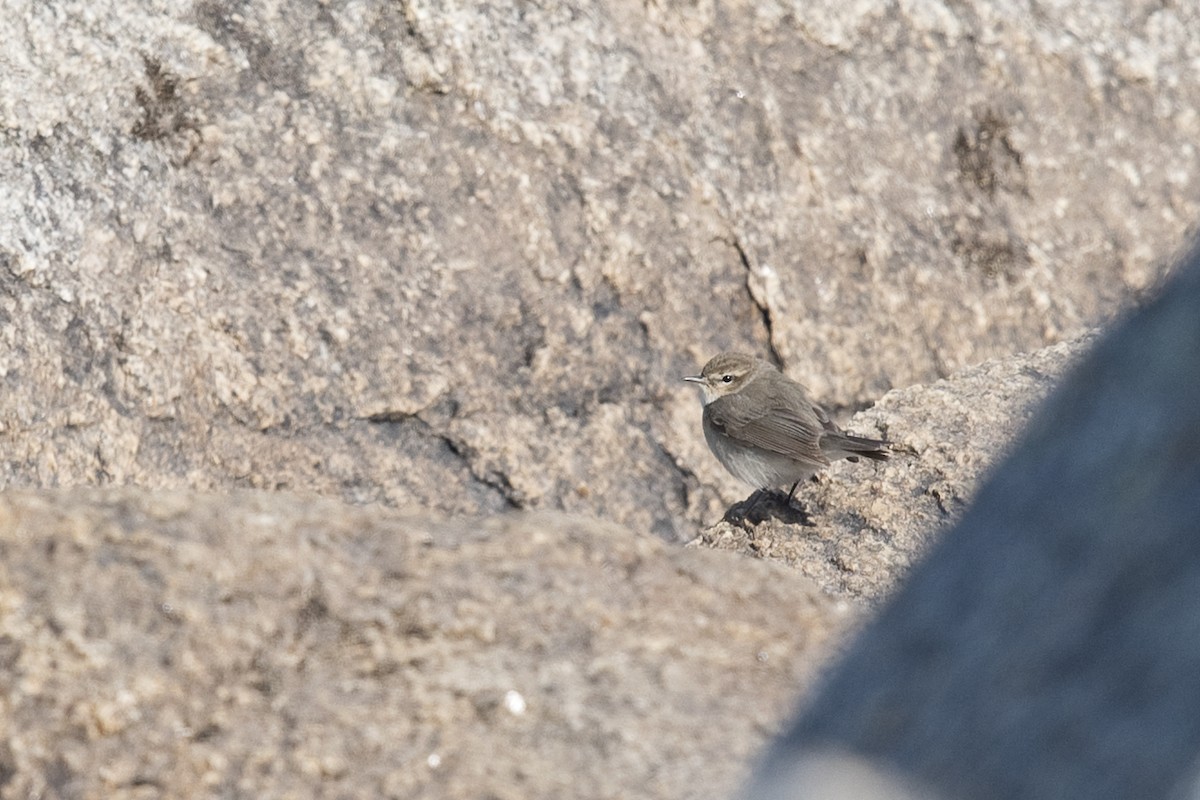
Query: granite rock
x=170, y=644
x=401, y=267
x=455, y=257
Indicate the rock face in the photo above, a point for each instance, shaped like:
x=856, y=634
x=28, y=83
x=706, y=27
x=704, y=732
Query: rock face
x=1048, y=646
x=455, y=257
x=446, y=260
x=255, y=643
x=157, y=644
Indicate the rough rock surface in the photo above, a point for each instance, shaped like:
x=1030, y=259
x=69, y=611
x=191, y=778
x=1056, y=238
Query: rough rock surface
x=260, y=644
x=455, y=256
x=158, y=644
x=166, y=643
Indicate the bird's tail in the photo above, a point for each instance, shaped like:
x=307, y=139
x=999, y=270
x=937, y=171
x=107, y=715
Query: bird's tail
x=847, y=445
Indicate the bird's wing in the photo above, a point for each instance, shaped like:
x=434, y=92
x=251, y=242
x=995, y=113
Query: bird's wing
x=776, y=426
x=827, y=424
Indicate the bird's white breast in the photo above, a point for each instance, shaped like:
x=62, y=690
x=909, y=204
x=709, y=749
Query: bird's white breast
x=759, y=468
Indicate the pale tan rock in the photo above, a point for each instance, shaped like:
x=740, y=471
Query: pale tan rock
x=455, y=257
x=178, y=644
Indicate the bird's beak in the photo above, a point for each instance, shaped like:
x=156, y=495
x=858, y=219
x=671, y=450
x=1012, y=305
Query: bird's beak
x=694, y=378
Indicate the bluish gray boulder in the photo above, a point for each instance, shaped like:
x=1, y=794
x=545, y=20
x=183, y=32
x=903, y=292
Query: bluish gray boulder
x=1050, y=645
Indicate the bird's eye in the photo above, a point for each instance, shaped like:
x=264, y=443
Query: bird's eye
x=726, y=379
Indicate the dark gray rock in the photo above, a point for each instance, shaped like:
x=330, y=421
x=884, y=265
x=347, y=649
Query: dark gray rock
x=1049, y=646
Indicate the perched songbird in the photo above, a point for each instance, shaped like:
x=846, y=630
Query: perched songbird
x=763, y=428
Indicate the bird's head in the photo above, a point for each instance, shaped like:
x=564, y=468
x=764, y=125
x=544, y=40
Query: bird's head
x=725, y=374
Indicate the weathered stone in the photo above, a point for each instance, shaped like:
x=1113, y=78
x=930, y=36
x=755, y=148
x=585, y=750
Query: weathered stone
x=455, y=257
x=257, y=644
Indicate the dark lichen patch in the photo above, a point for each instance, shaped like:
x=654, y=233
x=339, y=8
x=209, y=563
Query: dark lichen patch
x=163, y=110
x=986, y=156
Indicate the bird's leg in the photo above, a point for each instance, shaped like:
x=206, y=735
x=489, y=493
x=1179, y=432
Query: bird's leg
x=792, y=492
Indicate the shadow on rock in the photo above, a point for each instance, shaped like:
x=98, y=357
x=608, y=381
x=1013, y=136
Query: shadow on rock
x=767, y=504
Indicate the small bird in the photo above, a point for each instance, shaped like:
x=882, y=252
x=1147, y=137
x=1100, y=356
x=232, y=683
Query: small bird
x=763, y=428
